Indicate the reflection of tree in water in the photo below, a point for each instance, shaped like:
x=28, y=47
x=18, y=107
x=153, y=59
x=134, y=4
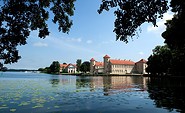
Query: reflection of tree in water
x=168, y=93
x=54, y=81
x=82, y=82
x=106, y=85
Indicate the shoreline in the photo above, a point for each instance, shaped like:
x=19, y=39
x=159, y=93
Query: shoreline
x=87, y=74
x=139, y=75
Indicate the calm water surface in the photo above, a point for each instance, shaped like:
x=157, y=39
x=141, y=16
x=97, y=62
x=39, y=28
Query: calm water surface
x=43, y=93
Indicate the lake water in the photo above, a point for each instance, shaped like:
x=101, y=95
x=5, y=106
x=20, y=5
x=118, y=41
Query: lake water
x=22, y=92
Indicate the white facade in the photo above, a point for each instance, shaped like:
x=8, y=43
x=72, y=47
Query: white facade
x=71, y=68
x=68, y=68
x=121, y=69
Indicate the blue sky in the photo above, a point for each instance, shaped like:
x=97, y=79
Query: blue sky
x=91, y=36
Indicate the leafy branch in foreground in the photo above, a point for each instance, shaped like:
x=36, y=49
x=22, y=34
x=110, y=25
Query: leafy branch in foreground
x=19, y=17
x=130, y=14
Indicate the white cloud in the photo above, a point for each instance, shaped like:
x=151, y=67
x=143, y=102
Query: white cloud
x=40, y=44
x=61, y=44
x=89, y=41
x=160, y=24
x=141, y=53
x=72, y=39
x=108, y=42
x=79, y=40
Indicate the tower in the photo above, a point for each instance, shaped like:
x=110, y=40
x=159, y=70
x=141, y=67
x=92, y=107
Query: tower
x=92, y=66
x=106, y=60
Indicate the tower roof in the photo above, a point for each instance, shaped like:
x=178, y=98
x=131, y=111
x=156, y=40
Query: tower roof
x=106, y=56
x=92, y=59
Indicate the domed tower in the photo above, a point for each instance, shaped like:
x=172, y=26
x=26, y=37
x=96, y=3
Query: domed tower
x=106, y=60
x=92, y=66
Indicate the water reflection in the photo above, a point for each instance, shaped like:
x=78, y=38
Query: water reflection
x=54, y=80
x=168, y=93
x=63, y=82
x=39, y=93
x=113, y=84
x=117, y=84
x=82, y=82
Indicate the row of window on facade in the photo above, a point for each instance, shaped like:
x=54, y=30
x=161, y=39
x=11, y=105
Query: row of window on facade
x=122, y=66
x=119, y=71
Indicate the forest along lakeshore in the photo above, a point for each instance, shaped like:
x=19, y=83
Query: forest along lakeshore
x=39, y=93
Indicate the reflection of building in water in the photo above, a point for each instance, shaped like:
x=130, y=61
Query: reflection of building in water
x=68, y=81
x=120, y=83
x=97, y=82
x=123, y=84
x=117, y=66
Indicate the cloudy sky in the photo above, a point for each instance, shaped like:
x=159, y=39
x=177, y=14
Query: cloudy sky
x=91, y=36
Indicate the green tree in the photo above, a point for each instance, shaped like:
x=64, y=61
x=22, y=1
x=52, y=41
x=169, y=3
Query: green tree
x=16, y=25
x=159, y=62
x=174, y=37
x=47, y=70
x=85, y=67
x=1, y=66
x=78, y=64
x=55, y=67
x=19, y=17
x=130, y=14
x=41, y=69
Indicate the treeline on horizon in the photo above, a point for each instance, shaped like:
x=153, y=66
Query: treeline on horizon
x=17, y=70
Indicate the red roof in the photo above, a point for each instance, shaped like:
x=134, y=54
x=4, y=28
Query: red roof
x=99, y=64
x=142, y=61
x=66, y=65
x=71, y=65
x=92, y=59
x=106, y=56
x=63, y=65
x=121, y=62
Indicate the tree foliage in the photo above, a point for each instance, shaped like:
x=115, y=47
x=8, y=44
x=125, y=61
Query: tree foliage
x=1, y=66
x=174, y=37
x=78, y=64
x=85, y=67
x=19, y=17
x=159, y=62
x=55, y=67
x=130, y=14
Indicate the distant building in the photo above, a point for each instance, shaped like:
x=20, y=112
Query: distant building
x=68, y=68
x=141, y=66
x=96, y=67
x=117, y=66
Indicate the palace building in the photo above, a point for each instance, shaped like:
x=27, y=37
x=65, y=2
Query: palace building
x=117, y=66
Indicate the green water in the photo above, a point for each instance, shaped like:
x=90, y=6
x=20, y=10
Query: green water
x=22, y=92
